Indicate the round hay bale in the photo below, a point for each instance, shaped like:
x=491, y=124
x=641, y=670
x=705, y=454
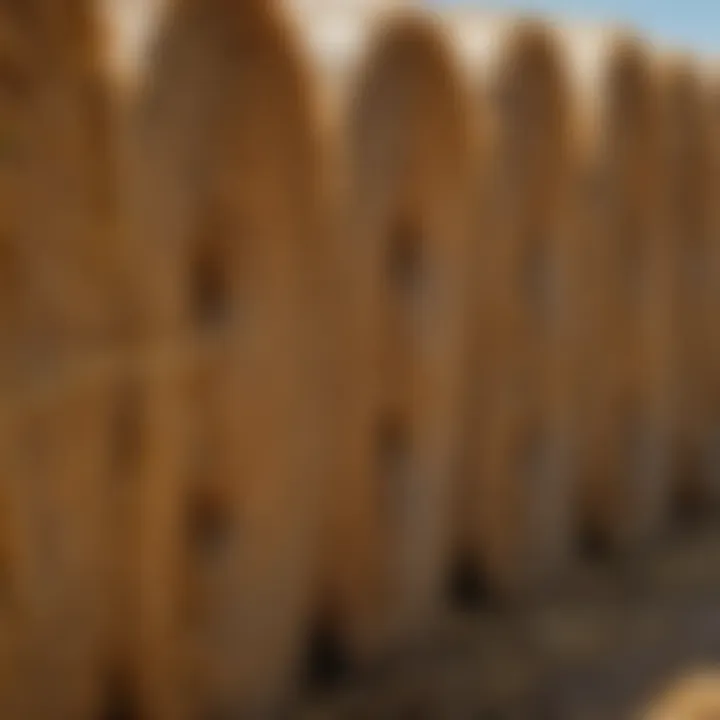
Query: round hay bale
x=56, y=313
x=516, y=502
x=712, y=89
x=694, y=698
x=55, y=540
x=130, y=30
x=58, y=155
x=222, y=197
x=17, y=60
x=397, y=150
x=624, y=380
x=15, y=541
x=688, y=202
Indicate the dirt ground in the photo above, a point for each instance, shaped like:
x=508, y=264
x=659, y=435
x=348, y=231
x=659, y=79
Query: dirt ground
x=613, y=636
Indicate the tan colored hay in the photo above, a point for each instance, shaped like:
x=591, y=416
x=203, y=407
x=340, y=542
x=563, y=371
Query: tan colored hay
x=624, y=381
x=130, y=29
x=54, y=536
x=687, y=205
x=58, y=158
x=694, y=697
x=397, y=152
x=712, y=90
x=516, y=504
x=221, y=193
x=16, y=62
x=56, y=313
x=15, y=544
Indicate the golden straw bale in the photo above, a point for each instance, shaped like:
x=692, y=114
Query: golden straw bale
x=515, y=507
x=624, y=381
x=398, y=158
x=220, y=200
x=688, y=202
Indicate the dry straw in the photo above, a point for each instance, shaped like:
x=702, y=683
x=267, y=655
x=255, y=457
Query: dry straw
x=396, y=149
x=56, y=497
x=56, y=155
x=695, y=696
x=712, y=90
x=623, y=388
x=59, y=313
x=514, y=500
x=221, y=196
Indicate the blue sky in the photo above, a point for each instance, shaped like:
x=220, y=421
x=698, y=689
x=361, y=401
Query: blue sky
x=692, y=24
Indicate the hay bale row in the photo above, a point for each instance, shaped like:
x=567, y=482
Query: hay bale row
x=317, y=314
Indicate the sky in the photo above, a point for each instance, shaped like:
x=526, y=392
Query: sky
x=691, y=24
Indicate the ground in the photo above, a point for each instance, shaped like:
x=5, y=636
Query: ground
x=613, y=636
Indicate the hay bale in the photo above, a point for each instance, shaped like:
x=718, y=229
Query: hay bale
x=397, y=152
x=221, y=196
x=60, y=255
x=697, y=696
x=712, y=90
x=516, y=503
x=687, y=203
x=58, y=312
x=54, y=535
x=624, y=390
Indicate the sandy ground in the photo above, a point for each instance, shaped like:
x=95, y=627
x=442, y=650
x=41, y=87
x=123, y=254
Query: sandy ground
x=613, y=636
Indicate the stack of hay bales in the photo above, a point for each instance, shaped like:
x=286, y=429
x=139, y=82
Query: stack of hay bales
x=311, y=306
